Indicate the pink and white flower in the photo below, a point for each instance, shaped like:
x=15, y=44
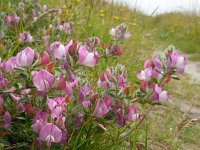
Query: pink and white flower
x=56, y=106
x=86, y=58
x=50, y=133
x=59, y=50
x=132, y=113
x=177, y=62
x=101, y=108
x=145, y=74
x=9, y=65
x=3, y=81
x=25, y=58
x=43, y=80
x=67, y=28
x=159, y=94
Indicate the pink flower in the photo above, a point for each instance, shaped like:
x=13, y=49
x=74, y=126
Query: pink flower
x=176, y=61
x=86, y=58
x=15, y=97
x=43, y=80
x=39, y=120
x=50, y=133
x=7, y=119
x=67, y=28
x=57, y=106
x=101, y=108
x=25, y=37
x=61, y=83
x=11, y=20
x=145, y=74
x=3, y=81
x=21, y=107
x=121, y=120
x=156, y=61
x=127, y=35
x=108, y=101
x=121, y=81
x=148, y=63
x=132, y=113
x=45, y=59
x=59, y=50
x=143, y=85
x=25, y=58
x=159, y=94
x=44, y=8
x=112, y=32
x=79, y=120
x=69, y=86
x=9, y=65
x=87, y=104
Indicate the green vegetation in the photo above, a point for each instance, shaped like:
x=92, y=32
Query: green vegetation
x=148, y=34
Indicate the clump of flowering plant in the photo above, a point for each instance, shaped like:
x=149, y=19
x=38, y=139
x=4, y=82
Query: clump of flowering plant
x=63, y=103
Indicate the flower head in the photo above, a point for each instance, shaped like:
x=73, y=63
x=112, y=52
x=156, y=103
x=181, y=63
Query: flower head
x=50, y=133
x=25, y=58
x=86, y=58
x=43, y=80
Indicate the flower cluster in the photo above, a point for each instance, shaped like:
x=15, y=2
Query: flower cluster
x=118, y=34
x=158, y=72
x=62, y=91
x=12, y=20
x=25, y=37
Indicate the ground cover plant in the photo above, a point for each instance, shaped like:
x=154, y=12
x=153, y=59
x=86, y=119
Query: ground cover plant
x=63, y=84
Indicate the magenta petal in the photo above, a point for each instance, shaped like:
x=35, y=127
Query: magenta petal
x=81, y=95
x=86, y=58
x=121, y=81
x=51, y=104
x=112, y=32
x=9, y=65
x=163, y=96
x=148, y=73
x=101, y=109
x=86, y=104
x=3, y=81
x=79, y=120
x=39, y=120
x=82, y=54
x=50, y=133
x=61, y=83
x=7, y=119
x=68, y=89
x=45, y=59
x=67, y=27
x=108, y=101
x=147, y=63
x=143, y=85
x=145, y=74
x=155, y=97
x=181, y=62
x=59, y=50
x=68, y=46
x=157, y=62
x=43, y=80
x=121, y=120
x=132, y=115
x=21, y=107
x=141, y=75
x=25, y=58
x=158, y=89
x=174, y=58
